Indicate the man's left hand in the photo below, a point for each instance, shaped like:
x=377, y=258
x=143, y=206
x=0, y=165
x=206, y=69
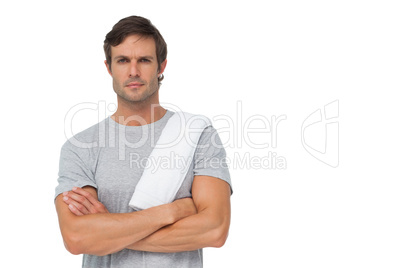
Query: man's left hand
x=81, y=202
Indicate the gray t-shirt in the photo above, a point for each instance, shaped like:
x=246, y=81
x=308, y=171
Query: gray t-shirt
x=111, y=157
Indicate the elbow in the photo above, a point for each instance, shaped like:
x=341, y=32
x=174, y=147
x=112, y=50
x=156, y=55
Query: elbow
x=220, y=235
x=72, y=238
x=72, y=244
x=76, y=244
x=220, y=238
x=73, y=250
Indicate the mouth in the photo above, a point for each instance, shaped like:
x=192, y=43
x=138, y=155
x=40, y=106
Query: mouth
x=134, y=85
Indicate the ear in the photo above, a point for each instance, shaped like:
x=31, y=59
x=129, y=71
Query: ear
x=108, y=68
x=162, y=68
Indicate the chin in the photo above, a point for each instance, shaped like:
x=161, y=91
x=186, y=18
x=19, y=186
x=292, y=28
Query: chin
x=135, y=98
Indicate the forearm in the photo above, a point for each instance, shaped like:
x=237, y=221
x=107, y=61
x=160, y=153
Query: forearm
x=198, y=231
x=101, y=234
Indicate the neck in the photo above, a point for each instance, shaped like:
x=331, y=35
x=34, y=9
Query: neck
x=138, y=113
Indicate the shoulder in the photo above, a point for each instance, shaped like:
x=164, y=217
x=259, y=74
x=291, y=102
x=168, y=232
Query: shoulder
x=88, y=138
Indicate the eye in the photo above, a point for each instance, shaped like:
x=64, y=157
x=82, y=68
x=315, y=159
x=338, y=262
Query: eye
x=122, y=60
x=144, y=60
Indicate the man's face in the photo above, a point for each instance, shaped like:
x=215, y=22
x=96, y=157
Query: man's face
x=134, y=68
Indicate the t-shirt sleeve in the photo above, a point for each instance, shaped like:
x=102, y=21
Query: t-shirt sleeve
x=74, y=169
x=210, y=157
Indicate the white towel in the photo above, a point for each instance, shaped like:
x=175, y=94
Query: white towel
x=169, y=161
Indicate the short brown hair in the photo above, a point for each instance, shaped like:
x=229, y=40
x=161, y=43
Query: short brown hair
x=135, y=25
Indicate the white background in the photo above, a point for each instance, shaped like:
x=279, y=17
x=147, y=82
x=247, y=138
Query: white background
x=276, y=57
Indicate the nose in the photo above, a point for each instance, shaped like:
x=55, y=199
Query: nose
x=134, y=70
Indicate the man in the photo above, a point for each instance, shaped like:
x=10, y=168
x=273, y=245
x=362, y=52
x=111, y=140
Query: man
x=99, y=170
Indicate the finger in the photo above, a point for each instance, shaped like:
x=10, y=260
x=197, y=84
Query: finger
x=82, y=200
x=96, y=205
x=74, y=210
x=70, y=201
x=71, y=206
x=86, y=194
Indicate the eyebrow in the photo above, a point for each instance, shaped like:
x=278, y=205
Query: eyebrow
x=126, y=57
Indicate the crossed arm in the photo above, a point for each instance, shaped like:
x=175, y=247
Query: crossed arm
x=183, y=225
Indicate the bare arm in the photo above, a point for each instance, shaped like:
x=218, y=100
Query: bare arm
x=208, y=228
x=105, y=233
